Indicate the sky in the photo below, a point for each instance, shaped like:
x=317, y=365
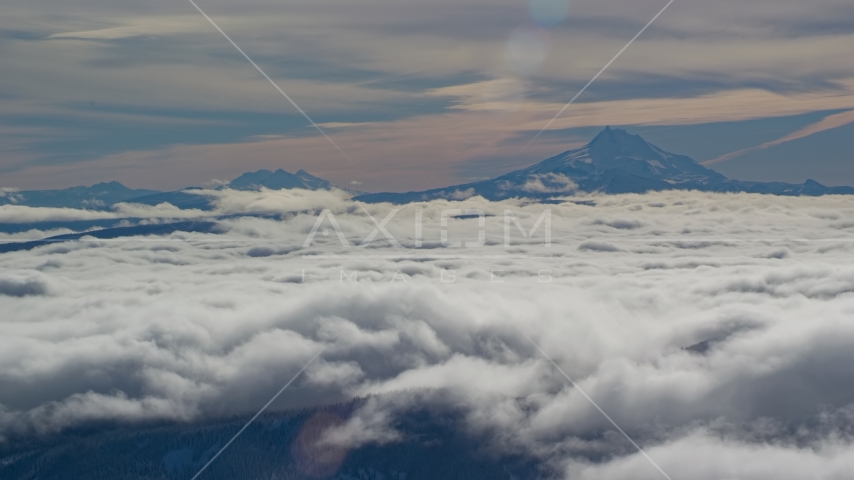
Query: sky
x=714, y=329
x=416, y=94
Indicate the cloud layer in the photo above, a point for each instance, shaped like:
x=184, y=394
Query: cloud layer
x=714, y=329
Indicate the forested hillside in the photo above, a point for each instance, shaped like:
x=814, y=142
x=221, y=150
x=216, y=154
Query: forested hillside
x=278, y=446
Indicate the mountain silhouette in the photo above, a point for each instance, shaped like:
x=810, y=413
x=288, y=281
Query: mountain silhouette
x=278, y=180
x=97, y=197
x=613, y=162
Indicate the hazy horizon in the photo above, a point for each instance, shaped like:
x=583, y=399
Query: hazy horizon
x=417, y=95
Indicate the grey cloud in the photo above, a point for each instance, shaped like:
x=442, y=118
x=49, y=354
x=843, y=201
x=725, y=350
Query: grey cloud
x=268, y=250
x=24, y=284
x=595, y=246
x=618, y=223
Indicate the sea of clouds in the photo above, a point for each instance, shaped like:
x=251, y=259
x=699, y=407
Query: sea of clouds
x=715, y=330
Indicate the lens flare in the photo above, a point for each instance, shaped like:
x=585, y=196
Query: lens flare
x=549, y=12
x=526, y=50
x=314, y=457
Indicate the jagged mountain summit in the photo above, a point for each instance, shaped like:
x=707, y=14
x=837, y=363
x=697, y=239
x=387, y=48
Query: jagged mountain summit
x=278, y=180
x=613, y=162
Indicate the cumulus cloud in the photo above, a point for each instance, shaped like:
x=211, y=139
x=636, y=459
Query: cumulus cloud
x=226, y=202
x=597, y=246
x=21, y=284
x=549, y=183
x=22, y=214
x=713, y=328
x=370, y=424
x=705, y=455
x=10, y=193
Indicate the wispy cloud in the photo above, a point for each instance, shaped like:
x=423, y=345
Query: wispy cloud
x=828, y=123
x=381, y=74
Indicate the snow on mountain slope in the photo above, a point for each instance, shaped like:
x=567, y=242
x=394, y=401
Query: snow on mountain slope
x=613, y=162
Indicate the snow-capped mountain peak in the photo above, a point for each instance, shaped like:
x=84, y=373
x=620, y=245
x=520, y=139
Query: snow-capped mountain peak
x=615, y=161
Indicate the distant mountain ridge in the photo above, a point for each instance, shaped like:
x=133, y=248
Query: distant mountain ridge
x=278, y=180
x=96, y=197
x=103, y=196
x=613, y=162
